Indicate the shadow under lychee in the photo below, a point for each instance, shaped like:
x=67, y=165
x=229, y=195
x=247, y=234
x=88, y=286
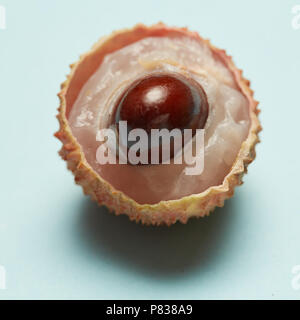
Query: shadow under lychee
x=163, y=251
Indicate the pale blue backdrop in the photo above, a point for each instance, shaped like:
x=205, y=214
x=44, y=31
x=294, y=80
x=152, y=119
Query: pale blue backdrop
x=55, y=243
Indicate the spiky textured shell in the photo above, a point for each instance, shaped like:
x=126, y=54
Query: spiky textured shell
x=164, y=212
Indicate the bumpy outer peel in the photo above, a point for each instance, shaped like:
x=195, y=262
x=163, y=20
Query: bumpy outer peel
x=164, y=212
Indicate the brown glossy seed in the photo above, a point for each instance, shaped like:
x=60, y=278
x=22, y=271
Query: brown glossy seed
x=163, y=101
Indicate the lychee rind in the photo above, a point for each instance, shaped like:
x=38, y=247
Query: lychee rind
x=164, y=212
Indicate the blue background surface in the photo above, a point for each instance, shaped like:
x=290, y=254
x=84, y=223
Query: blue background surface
x=56, y=243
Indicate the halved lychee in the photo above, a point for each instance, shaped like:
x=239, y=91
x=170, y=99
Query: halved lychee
x=158, y=77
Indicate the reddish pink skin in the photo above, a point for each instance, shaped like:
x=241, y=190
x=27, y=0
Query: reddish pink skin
x=155, y=214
